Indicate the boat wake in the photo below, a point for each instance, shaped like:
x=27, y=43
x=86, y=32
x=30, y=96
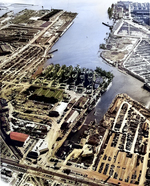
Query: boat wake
x=109, y=86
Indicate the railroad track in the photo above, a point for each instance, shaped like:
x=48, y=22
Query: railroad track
x=26, y=168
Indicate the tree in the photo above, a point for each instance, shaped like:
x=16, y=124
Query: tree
x=110, y=11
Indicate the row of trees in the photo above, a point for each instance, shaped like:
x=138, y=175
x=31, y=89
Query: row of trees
x=110, y=11
x=101, y=72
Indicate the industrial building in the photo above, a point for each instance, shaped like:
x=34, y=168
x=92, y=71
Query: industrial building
x=18, y=138
x=40, y=147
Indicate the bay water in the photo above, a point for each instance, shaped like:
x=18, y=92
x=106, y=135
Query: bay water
x=80, y=45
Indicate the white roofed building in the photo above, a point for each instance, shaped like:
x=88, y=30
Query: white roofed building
x=61, y=107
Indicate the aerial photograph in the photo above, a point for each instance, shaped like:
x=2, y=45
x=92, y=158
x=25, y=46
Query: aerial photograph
x=75, y=93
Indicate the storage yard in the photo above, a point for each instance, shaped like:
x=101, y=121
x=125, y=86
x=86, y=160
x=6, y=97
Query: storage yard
x=126, y=152
x=128, y=46
x=25, y=47
x=116, y=149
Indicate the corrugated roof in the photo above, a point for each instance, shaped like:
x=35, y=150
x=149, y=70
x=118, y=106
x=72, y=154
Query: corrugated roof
x=18, y=136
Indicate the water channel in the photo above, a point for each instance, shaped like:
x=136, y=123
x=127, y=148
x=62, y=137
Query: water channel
x=80, y=45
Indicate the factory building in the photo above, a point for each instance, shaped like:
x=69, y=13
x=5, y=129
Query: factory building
x=61, y=107
x=17, y=138
x=40, y=147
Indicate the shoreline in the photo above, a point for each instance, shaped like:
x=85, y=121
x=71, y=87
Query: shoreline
x=120, y=67
x=124, y=71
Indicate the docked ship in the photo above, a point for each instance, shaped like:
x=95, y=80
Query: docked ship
x=147, y=82
x=147, y=86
